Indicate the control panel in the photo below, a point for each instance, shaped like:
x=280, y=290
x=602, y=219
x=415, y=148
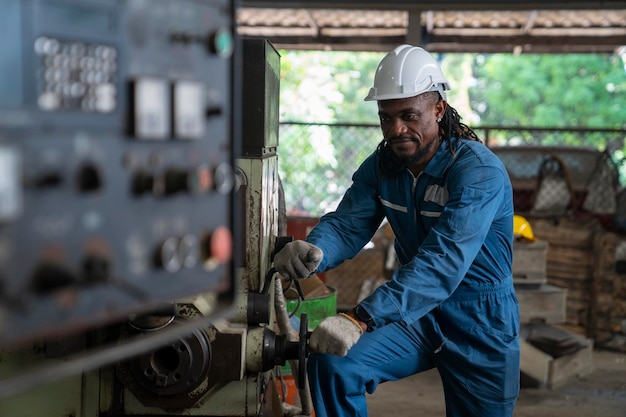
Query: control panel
x=117, y=147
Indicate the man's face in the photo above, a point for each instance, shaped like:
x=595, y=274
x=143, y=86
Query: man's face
x=410, y=127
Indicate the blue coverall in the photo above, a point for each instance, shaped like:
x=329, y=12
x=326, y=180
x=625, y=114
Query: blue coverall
x=450, y=305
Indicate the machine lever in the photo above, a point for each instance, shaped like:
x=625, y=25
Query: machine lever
x=299, y=289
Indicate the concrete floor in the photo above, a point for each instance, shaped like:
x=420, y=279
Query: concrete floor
x=602, y=393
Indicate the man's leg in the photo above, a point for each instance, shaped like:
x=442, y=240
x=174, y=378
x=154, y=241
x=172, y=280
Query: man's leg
x=338, y=385
x=479, y=363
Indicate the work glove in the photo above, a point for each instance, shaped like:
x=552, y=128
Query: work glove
x=335, y=335
x=298, y=259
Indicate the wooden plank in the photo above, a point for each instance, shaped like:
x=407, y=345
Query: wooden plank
x=568, y=271
x=565, y=233
x=566, y=367
x=549, y=372
x=593, y=302
x=565, y=255
x=534, y=363
x=545, y=302
x=574, y=285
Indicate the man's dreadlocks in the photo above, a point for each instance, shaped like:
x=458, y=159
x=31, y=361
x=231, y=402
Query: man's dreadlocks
x=451, y=129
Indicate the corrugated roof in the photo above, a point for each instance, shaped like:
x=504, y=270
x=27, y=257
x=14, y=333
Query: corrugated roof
x=538, y=31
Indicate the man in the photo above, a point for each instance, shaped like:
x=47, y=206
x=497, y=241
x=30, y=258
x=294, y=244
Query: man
x=451, y=304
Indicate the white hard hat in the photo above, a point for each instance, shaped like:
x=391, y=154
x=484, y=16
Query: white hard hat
x=407, y=71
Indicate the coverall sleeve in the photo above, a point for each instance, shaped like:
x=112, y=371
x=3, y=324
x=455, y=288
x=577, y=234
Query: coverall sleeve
x=343, y=233
x=450, y=247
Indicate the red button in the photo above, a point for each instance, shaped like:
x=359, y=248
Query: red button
x=221, y=245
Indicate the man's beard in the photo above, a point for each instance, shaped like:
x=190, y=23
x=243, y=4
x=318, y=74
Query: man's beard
x=391, y=162
x=416, y=157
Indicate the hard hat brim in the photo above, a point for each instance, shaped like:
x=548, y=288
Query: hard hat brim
x=373, y=96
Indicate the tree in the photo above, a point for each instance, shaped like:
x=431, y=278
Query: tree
x=573, y=90
x=316, y=162
x=327, y=87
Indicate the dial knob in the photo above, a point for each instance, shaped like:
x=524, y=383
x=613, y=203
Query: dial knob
x=89, y=178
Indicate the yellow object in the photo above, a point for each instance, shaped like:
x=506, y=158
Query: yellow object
x=522, y=229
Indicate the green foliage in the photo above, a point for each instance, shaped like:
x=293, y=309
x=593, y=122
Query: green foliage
x=327, y=87
x=316, y=162
x=316, y=171
x=575, y=90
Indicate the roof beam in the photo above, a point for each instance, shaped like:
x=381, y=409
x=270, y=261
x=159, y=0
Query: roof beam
x=530, y=22
x=430, y=5
x=520, y=31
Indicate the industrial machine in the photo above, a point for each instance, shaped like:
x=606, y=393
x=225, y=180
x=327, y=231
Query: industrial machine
x=116, y=141
x=137, y=228
x=227, y=368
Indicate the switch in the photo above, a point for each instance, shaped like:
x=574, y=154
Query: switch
x=49, y=179
x=213, y=111
x=49, y=277
x=224, y=178
x=150, y=104
x=188, y=110
x=217, y=248
x=189, y=250
x=10, y=188
x=142, y=183
x=220, y=43
x=89, y=178
x=203, y=178
x=96, y=269
x=175, y=181
x=167, y=255
x=196, y=181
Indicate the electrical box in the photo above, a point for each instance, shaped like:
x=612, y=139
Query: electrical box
x=261, y=83
x=117, y=159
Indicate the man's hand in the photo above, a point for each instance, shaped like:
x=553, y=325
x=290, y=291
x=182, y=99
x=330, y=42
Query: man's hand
x=298, y=259
x=336, y=335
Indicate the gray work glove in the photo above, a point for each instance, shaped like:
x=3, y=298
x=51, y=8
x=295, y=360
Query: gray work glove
x=335, y=335
x=298, y=259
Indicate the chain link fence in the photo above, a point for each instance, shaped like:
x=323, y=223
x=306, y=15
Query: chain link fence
x=316, y=162
x=551, y=169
